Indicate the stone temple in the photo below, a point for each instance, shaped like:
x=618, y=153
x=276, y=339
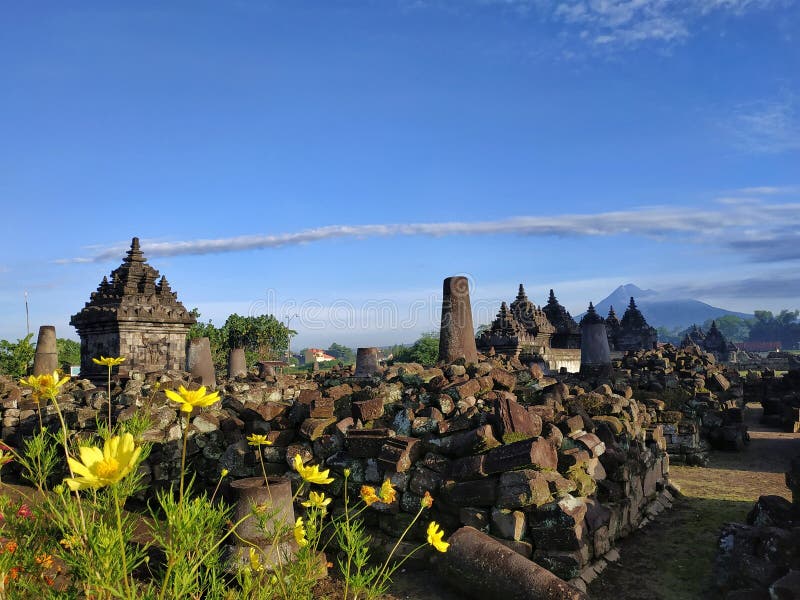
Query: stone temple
x=519, y=327
x=135, y=314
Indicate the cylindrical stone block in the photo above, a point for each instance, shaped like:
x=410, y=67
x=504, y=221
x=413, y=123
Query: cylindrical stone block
x=367, y=362
x=277, y=499
x=595, y=354
x=482, y=567
x=237, y=364
x=45, y=361
x=457, y=335
x=265, y=370
x=199, y=362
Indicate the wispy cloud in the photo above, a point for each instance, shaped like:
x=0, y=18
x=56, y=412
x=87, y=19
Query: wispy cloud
x=731, y=225
x=765, y=127
x=614, y=24
x=775, y=285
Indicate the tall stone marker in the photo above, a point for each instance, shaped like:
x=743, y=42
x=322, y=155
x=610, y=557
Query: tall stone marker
x=199, y=361
x=457, y=335
x=367, y=362
x=45, y=361
x=595, y=353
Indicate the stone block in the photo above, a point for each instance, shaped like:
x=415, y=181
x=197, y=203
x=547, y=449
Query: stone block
x=482, y=492
x=508, y=524
x=535, y=452
x=367, y=443
x=399, y=453
x=518, y=489
x=368, y=410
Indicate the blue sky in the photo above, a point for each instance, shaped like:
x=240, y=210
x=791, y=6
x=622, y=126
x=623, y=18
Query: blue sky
x=337, y=160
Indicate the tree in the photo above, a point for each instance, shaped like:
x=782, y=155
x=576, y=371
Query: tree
x=16, y=357
x=343, y=353
x=424, y=351
x=783, y=328
x=69, y=351
x=733, y=327
x=263, y=336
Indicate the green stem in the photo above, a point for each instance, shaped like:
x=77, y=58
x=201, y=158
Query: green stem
x=347, y=527
x=183, y=457
x=382, y=573
x=109, y=401
x=121, y=542
x=264, y=471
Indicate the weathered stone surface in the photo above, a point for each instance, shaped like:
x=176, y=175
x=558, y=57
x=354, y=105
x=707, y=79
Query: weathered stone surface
x=510, y=419
x=399, y=453
x=368, y=410
x=45, y=361
x=535, y=452
x=523, y=488
x=483, y=568
x=312, y=429
x=456, y=336
x=482, y=492
x=367, y=443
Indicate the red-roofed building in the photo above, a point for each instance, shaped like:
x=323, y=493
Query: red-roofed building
x=313, y=355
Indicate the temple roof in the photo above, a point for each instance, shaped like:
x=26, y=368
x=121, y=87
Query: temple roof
x=134, y=293
x=529, y=316
x=591, y=317
x=559, y=316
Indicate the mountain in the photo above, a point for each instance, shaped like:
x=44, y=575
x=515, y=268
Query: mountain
x=661, y=309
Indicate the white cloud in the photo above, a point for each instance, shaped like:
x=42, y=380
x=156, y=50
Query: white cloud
x=765, y=127
x=735, y=226
x=628, y=23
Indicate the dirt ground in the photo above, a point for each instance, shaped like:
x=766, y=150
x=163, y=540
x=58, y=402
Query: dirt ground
x=672, y=558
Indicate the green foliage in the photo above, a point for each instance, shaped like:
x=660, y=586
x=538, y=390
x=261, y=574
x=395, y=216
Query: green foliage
x=69, y=351
x=342, y=353
x=424, y=351
x=515, y=436
x=670, y=336
x=263, y=338
x=733, y=327
x=783, y=328
x=16, y=357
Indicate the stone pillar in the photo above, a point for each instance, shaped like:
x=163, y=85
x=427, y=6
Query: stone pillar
x=367, y=362
x=237, y=364
x=265, y=370
x=45, y=361
x=482, y=567
x=595, y=353
x=457, y=335
x=199, y=361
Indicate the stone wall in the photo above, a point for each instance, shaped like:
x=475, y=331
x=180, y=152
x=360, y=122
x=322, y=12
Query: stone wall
x=555, y=470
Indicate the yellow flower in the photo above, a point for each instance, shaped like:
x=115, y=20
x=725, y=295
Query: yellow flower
x=387, y=494
x=316, y=500
x=435, y=537
x=368, y=495
x=44, y=385
x=311, y=474
x=255, y=561
x=256, y=440
x=300, y=532
x=427, y=500
x=224, y=473
x=347, y=472
x=99, y=468
x=108, y=361
x=191, y=399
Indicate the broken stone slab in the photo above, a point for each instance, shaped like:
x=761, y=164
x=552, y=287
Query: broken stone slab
x=367, y=443
x=465, y=443
x=535, y=452
x=518, y=489
x=313, y=429
x=482, y=492
x=512, y=419
x=399, y=453
x=368, y=410
x=482, y=567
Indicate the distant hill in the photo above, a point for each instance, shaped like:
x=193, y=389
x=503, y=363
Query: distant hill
x=661, y=309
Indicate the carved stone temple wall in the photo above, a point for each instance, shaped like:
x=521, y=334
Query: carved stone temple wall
x=133, y=314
